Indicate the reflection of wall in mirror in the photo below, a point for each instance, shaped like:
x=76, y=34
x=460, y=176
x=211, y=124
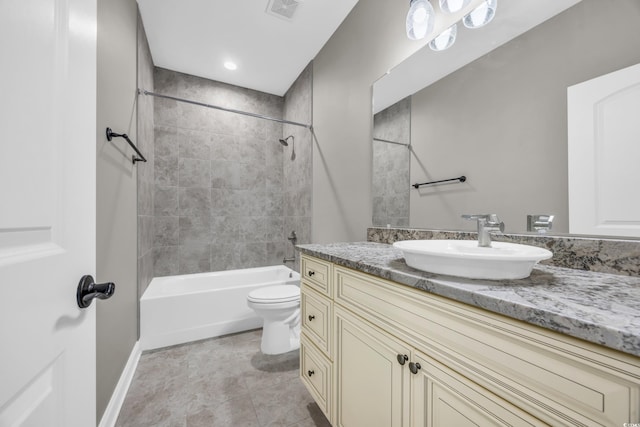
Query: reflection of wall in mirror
x=390, y=170
x=502, y=119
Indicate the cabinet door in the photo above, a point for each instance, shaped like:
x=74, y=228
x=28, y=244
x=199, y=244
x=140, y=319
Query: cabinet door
x=372, y=382
x=441, y=397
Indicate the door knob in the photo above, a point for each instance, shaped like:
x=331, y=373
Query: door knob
x=414, y=367
x=402, y=358
x=88, y=289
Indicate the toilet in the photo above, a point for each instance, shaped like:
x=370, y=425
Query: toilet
x=279, y=307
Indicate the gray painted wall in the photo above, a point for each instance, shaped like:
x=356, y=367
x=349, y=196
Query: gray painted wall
x=116, y=192
x=145, y=142
x=297, y=165
x=502, y=120
x=220, y=194
x=390, y=181
x=369, y=42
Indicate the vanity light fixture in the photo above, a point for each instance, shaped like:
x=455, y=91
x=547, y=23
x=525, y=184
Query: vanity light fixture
x=230, y=65
x=481, y=15
x=445, y=39
x=419, y=19
x=453, y=6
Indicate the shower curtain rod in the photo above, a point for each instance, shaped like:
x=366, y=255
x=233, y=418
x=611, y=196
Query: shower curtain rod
x=216, y=107
x=392, y=142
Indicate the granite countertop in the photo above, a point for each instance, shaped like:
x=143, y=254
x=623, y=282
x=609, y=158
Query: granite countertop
x=596, y=307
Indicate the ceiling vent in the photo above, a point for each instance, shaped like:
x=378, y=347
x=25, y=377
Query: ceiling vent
x=282, y=8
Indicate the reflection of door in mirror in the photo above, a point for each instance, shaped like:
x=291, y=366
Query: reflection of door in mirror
x=390, y=178
x=603, y=154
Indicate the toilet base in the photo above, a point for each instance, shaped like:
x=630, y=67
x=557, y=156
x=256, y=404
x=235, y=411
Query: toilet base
x=278, y=338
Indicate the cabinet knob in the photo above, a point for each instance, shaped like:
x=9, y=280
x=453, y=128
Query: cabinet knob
x=414, y=367
x=311, y=317
x=310, y=273
x=402, y=358
x=310, y=372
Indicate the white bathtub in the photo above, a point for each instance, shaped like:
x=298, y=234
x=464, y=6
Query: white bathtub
x=178, y=309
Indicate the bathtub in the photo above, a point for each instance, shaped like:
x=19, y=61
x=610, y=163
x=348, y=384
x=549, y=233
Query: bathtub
x=179, y=309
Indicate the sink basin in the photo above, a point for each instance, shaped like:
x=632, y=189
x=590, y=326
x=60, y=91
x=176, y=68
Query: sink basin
x=464, y=258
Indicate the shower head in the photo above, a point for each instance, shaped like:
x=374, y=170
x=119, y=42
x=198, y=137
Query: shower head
x=284, y=141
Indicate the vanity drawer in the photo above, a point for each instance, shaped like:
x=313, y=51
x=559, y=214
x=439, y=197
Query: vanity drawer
x=315, y=373
x=317, y=274
x=558, y=379
x=316, y=318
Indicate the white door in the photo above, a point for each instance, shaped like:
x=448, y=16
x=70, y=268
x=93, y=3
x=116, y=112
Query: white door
x=47, y=211
x=604, y=154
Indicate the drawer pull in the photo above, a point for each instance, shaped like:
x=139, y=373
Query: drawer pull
x=311, y=317
x=310, y=273
x=414, y=367
x=310, y=372
x=402, y=358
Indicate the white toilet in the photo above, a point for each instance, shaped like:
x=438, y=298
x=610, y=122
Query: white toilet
x=279, y=306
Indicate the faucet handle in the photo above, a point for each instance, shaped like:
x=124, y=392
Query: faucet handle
x=472, y=217
x=484, y=220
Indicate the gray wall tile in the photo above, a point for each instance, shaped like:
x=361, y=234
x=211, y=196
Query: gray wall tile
x=166, y=171
x=166, y=141
x=195, y=258
x=195, y=229
x=194, y=144
x=166, y=231
x=166, y=201
x=221, y=178
x=165, y=261
x=194, y=173
x=194, y=201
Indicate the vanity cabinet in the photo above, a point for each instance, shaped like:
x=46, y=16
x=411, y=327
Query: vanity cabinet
x=400, y=356
x=316, y=337
x=381, y=381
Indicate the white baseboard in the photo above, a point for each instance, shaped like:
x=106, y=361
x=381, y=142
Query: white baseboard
x=110, y=415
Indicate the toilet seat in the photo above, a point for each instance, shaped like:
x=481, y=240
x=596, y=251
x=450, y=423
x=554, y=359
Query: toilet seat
x=274, y=294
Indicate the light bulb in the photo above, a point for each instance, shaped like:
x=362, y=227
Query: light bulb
x=445, y=39
x=419, y=19
x=230, y=65
x=453, y=6
x=481, y=15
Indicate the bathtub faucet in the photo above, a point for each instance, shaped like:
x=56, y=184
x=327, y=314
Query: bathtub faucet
x=285, y=260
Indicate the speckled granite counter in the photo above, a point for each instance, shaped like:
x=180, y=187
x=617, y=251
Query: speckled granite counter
x=597, y=307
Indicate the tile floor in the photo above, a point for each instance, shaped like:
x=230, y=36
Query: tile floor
x=219, y=382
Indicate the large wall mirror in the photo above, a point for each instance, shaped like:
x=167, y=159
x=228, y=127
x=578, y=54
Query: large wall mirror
x=494, y=109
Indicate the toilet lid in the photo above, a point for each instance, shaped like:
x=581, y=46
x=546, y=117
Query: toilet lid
x=277, y=293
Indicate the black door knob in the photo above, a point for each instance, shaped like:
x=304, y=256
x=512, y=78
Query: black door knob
x=88, y=289
x=414, y=367
x=402, y=358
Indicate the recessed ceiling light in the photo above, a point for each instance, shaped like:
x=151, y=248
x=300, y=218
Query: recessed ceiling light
x=229, y=65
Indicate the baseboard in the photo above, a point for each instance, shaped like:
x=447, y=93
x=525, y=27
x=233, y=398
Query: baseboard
x=110, y=415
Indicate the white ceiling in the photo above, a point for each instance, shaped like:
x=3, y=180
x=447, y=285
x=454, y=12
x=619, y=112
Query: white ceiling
x=513, y=17
x=197, y=36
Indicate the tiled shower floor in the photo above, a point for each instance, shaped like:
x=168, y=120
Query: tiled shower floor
x=219, y=382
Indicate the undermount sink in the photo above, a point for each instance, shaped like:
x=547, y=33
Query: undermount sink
x=464, y=258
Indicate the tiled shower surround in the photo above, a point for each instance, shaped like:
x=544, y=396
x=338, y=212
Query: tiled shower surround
x=390, y=182
x=221, y=197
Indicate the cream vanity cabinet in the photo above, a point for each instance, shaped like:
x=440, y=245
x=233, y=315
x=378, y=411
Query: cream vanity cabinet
x=392, y=355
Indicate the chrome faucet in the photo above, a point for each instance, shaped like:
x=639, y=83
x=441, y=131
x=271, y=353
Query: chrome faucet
x=487, y=224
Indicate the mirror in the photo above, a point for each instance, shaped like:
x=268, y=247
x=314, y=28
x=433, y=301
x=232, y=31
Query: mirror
x=494, y=109
x=391, y=161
